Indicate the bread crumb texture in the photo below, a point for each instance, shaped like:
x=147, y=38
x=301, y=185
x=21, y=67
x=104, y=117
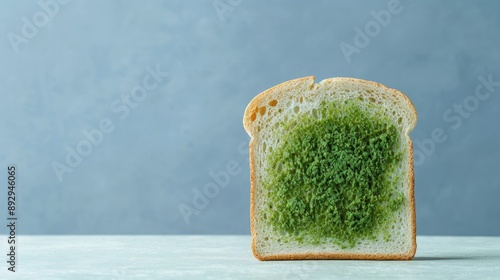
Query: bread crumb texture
x=330, y=177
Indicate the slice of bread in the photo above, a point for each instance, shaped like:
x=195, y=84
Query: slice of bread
x=331, y=170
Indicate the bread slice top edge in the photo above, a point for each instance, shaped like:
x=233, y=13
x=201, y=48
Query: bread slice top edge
x=307, y=85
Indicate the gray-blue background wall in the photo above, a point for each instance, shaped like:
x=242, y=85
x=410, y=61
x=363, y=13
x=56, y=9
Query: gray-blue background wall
x=68, y=69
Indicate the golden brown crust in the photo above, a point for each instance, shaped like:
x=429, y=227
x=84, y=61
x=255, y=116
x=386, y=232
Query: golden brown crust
x=411, y=190
x=257, y=100
x=334, y=256
x=252, y=108
x=387, y=89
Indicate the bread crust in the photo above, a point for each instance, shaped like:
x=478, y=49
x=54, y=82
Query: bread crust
x=309, y=81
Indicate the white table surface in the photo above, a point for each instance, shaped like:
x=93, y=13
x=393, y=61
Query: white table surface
x=230, y=257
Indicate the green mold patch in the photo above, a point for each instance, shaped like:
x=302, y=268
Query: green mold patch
x=331, y=176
